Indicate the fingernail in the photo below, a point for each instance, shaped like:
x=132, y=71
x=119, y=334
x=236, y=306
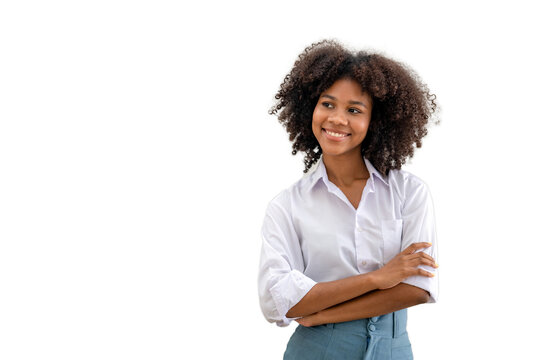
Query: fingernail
x=436, y=265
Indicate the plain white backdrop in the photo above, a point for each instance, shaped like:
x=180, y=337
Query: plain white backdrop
x=137, y=158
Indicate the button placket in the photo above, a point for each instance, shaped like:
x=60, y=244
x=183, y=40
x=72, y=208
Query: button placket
x=360, y=229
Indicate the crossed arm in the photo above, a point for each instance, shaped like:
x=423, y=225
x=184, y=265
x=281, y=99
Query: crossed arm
x=367, y=295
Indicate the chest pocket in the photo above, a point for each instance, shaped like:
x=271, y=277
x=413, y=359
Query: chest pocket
x=391, y=232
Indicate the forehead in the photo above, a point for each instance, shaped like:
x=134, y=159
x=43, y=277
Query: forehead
x=347, y=90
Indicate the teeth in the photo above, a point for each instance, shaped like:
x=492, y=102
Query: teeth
x=335, y=134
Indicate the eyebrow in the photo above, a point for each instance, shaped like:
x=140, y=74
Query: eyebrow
x=354, y=102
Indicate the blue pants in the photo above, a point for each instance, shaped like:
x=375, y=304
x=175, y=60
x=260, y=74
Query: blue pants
x=378, y=338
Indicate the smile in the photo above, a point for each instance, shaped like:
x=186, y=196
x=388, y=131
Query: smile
x=334, y=135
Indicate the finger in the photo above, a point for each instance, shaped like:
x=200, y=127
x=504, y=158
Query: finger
x=303, y=322
x=411, y=249
x=422, y=255
x=431, y=263
x=428, y=260
x=425, y=256
x=424, y=261
x=423, y=272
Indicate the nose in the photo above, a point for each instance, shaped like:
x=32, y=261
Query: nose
x=338, y=119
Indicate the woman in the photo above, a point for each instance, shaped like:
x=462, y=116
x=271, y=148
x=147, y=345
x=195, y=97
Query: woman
x=351, y=245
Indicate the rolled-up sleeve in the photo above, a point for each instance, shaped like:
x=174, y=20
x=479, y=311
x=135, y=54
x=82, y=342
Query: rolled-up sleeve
x=281, y=282
x=419, y=226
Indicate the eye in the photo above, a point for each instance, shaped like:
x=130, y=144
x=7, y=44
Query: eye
x=355, y=111
x=327, y=105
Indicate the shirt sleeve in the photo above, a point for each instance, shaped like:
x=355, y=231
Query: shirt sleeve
x=281, y=282
x=419, y=226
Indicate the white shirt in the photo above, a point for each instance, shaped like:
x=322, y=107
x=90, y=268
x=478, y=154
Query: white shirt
x=312, y=233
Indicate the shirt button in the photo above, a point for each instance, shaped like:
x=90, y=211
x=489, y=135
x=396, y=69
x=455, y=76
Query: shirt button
x=372, y=327
x=363, y=262
x=358, y=228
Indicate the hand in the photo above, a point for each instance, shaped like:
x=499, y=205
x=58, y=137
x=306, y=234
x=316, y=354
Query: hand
x=310, y=320
x=402, y=266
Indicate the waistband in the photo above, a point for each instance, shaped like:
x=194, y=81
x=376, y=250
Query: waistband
x=390, y=325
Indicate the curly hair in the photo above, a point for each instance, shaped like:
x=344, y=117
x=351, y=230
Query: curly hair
x=402, y=103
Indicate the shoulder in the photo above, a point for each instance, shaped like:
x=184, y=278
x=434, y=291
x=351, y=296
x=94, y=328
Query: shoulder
x=407, y=185
x=283, y=200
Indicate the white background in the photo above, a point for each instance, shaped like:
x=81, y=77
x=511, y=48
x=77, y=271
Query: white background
x=137, y=158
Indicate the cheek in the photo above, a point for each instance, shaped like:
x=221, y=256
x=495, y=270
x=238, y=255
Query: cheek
x=365, y=123
x=362, y=126
x=316, y=119
x=316, y=115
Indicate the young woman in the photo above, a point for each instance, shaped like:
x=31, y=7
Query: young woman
x=351, y=245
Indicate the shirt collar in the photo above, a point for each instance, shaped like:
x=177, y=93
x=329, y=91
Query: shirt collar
x=319, y=173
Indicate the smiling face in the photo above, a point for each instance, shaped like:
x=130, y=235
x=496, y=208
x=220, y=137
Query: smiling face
x=341, y=118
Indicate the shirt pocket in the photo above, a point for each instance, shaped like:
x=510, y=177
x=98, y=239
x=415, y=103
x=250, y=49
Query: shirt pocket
x=391, y=233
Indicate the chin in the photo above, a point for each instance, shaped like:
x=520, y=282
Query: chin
x=333, y=152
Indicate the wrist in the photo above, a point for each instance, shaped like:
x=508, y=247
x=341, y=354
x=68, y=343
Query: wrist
x=318, y=318
x=372, y=279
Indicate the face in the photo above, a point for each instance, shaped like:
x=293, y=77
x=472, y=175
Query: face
x=341, y=118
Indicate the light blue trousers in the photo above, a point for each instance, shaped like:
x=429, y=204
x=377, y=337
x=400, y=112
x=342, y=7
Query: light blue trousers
x=378, y=338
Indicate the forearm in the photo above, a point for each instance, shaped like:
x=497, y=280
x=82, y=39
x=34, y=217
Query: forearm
x=327, y=294
x=352, y=293
x=375, y=303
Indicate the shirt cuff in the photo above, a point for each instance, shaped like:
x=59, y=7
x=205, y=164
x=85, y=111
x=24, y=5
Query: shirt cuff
x=288, y=291
x=430, y=284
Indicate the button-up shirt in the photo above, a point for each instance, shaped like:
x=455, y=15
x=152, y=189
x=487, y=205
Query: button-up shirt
x=312, y=233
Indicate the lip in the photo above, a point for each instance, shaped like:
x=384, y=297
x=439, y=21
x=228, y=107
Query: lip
x=335, y=138
x=336, y=131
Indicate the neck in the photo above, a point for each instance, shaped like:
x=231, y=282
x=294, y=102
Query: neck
x=345, y=170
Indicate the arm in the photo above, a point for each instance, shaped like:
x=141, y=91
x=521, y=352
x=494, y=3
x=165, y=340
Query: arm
x=281, y=280
x=285, y=292
x=419, y=225
x=375, y=303
x=326, y=294
x=413, y=286
x=405, y=264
